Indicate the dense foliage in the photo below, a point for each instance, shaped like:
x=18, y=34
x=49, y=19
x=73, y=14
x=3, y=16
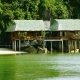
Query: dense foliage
x=36, y=9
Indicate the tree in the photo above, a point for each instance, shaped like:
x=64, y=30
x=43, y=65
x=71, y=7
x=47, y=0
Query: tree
x=36, y=9
x=6, y=18
x=73, y=8
x=30, y=8
x=61, y=11
x=45, y=9
x=52, y=8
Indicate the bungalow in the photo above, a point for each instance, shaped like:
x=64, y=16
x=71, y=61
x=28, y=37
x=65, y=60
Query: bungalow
x=26, y=30
x=63, y=33
x=69, y=31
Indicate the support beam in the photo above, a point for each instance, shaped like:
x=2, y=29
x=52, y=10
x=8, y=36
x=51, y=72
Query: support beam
x=69, y=46
x=19, y=45
x=62, y=46
x=79, y=45
x=44, y=44
x=75, y=46
x=15, y=45
x=51, y=47
x=60, y=40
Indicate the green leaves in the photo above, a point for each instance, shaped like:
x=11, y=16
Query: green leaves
x=41, y=9
x=8, y=15
x=18, y=14
x=37, y=9
x=61, y=10
x=53, y=8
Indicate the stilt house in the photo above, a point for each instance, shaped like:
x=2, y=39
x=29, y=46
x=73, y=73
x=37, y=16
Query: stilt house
x=26, y=30
x=64, y=34
x=69, y=31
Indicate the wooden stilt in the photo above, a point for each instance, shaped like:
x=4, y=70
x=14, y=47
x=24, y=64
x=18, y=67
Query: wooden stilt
x=15, y=45
x=62, y=46
x=75, y=47
x=60, y=43
x=79, y=45
x=56, y=40
x=44, y=44
x=19, y=45
x=69, y=46
x=51, y=47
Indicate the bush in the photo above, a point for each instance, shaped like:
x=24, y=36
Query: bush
x=30, y=49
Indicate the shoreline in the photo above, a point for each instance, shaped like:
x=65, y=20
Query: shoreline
x=4, y=51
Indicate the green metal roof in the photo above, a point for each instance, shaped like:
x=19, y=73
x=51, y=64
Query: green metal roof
x=66, y=25
x=28, y=25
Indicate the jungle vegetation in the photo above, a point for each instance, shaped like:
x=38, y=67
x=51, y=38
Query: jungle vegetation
x=36, y=9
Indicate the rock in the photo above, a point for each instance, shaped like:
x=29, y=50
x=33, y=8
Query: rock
x=30, y=49
x=43, y=50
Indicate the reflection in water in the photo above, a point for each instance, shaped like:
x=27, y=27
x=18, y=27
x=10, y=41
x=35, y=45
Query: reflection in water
x=68, y=67
x=61, y=78
x=40, y=67
x=7, y=68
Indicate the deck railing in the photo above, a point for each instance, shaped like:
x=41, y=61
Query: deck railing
x=41, y=37
x=35, y=38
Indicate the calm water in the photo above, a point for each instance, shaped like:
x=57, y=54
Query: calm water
x=40, y=67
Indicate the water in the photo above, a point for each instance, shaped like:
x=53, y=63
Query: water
x=40, y=67
x=68, y=67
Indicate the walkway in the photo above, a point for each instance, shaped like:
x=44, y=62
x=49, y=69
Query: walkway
x=9, y=51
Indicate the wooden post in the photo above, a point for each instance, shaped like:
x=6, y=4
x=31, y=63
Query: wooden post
x=44, y=43
x=51, y=47
x=19, y=45
x=69, y=46
x=79, y=45
x=75, y=47
x=62, y=46
x=15, y=45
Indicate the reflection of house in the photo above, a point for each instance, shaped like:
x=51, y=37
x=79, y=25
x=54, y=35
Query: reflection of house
x=65, y=30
